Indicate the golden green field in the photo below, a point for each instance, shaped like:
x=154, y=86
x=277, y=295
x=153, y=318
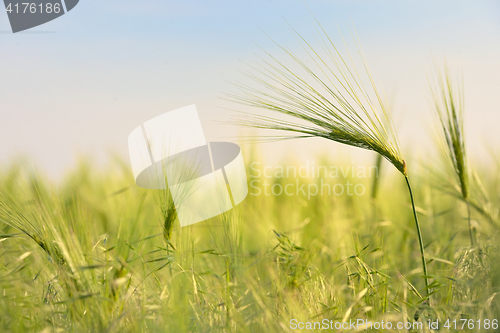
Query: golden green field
x=91, y=254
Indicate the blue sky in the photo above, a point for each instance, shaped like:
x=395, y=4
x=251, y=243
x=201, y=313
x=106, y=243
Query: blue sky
x=81, y=83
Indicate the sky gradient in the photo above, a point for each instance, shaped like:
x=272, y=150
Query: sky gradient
x=80, y=84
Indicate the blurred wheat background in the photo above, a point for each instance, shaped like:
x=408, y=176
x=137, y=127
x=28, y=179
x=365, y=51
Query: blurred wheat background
x=90, y=254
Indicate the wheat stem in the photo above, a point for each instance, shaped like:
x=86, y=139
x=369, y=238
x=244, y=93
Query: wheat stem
x=471, y=230
x=420, y=241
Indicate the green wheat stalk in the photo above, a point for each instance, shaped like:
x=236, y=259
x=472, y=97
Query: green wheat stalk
x=449, y=106
x=329, y=101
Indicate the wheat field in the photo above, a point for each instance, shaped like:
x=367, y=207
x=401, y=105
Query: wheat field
x=90, y=254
